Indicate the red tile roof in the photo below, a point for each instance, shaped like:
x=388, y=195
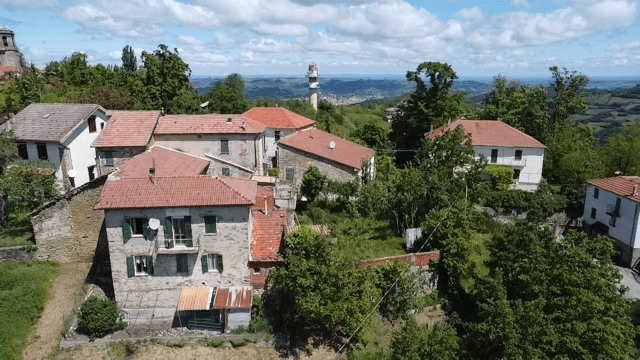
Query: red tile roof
x=207, y=124
x=278, y=118
x=128, y=129
x=195, y=298
x=184, y=191
x=167, y=162
x=264, y=192
x=619, y=185
x=234, y=297
x=8, y=69
x=267, y=233
x=491, y=133
x=318, y=142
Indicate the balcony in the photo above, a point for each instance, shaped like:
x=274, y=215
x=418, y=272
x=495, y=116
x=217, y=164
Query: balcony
x=177, y=246
x=512, y=162
x=613, y=210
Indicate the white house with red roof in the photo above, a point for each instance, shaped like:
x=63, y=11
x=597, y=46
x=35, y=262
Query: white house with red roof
x=612, y=208
x=504, y=145
x=279, y=122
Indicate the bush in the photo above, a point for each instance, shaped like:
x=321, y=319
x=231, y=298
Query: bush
x=258, y=321
x=274, y=172
x=179, y=344
x=236, y=343
x=501, y=177
x=100, y=317
x=216, y=343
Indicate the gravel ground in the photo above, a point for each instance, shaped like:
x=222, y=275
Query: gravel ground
x=630, y=280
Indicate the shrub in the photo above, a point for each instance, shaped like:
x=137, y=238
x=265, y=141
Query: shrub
x=258, y=321
x=99, y=317
x=180, y=343
x=236, y=343
x=274, y=172
x=216, y=343
x=501, y=176
x=313, y=182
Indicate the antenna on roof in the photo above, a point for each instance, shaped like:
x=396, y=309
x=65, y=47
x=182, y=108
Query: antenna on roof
x=332, y=145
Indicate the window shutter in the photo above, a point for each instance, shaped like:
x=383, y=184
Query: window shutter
x=168, y=233
x=205, y=264
x=126, y=231
x=187, y=228
x=145, y=229
x=150, y=265
x=219, y=263
x=131, y=270
x=210, y=225
x=289, y=174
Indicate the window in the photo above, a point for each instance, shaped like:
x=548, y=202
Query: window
x=4, y=41
x=101, y=125
x=224, y=146
x=214, y=263
x=518, y=155
x=108, y=157
x=22, y=151
x=177, y=231
x=92, y=123
x=593, y=213
x=494, y=156
x=210, y=225
x=516, y=174
x=596, y=193
x=277, y=135
x=134, y=227
x=182, y=265
x=137, y=225
x=226, y=172
x=290, y=172
x=42, y=151
x=143, y=265
x=92, y=173
x=612, y=221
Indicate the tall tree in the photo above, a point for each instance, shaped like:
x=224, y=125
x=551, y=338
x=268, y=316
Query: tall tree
x=227, y=97
x=568, y=94
x=621, y=151
x=166, y=76
x=431, y=104
x=129, y=59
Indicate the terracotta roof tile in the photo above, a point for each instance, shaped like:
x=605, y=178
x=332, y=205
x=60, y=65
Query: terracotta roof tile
x=167, y=162
x=128, y=129
x=264, y=192
x=317, y=142
x=267, y=233
x=184, y=191
x=207, y=124
x=491, y=133
x=278, y=118
x=195, y=298
x=619, y=185
x=8, y=70
x=234, y=297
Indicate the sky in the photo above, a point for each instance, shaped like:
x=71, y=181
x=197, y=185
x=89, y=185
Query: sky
x=516, y=38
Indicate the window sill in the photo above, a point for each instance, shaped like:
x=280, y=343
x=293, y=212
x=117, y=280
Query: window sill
x=211, y=234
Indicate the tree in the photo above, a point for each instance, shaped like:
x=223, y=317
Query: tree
x=8, y=150
x=374, y=136
x=402, y=288
x=313, y=182
x=431, y=104
x=166, y=76
x=416, y=342
x=621, y=151
x=227, y=97
x=568, y=92
x=129, y=59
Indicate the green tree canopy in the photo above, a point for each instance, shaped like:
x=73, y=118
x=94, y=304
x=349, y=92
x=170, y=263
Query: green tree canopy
x=129, y=59
x=621, y=151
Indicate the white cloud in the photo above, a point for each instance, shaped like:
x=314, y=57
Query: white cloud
x=634, y=45
x=189, y=41
x=520, y=4
x=222, y=40
x=473, y=14
x=94, y=19
x=29, y=4
x=268, y=45
x=320, y=42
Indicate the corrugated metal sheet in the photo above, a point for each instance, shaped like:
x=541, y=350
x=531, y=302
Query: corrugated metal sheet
x=195, y=298
x=321, y=229
x=234, y=297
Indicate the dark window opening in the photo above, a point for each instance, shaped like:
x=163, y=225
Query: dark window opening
x=224, y=146
x=182, y=265
x=494, y=156
x=277, y=136
x=596, y=193
x=226, y=172
x=5, y=41
x=42, y=151
x=210, y=225
x=516, y=174
x=612, y=221
x=108, y=157
x=101, y=126
x=137, y=225
x=22, y=151
x=518, y=154
x=92, y=174
x=593, y=213
x=92, y=124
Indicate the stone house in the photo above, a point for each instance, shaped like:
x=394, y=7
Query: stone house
x=61, y=134
x=279, y=122
x=127, y=133
x=233, y=143
x=337, y=158
x=504, y=145
x=612, y=208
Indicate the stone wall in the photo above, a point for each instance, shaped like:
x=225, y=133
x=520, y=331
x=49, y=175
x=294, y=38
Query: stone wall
x=18, y=253
x=118, y=155
x=300, y=161
x=417, y=259
x=67, y=229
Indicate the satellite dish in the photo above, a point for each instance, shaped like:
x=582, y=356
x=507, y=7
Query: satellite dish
x=332, y=145
x=154, y=224
x=72, y=173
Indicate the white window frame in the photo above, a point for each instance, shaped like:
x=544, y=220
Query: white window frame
x=182, y=241
x=212, y=262
x=140, y=265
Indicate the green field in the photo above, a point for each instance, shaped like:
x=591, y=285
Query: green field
x=18, y=237
x=24, y=289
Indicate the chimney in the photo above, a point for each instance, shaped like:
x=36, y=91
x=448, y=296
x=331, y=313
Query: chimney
x=152, y=172
x=635, y=190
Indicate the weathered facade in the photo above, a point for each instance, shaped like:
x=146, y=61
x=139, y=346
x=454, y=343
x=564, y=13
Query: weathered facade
x=296, y=162
x=109, y=159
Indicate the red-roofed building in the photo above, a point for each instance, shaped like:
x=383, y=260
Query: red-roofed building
x=337, y=158
x=162, y=162
x=612, y=208
x=127, y=133
x=503, y=145
x=233, y=143
x=279, y=122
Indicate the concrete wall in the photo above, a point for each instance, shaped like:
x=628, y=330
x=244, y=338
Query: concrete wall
x=118, y=154
x=161, y=290
x=82, y=154
x=238, y=318
x=300, y=161
x=245, y=150
x=530, y=166
x=67, y=229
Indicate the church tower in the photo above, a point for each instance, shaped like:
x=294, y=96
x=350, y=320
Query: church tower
x=9, y=53
x=313, y=85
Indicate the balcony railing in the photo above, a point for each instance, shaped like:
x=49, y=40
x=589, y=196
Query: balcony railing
x=509, y=162
x=177, y=246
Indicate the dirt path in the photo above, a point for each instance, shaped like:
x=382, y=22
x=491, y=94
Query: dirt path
x=48, y=329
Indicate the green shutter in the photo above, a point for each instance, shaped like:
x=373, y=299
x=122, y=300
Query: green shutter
x=126, y=231
x=168, y=233
x=205, y=264
x=290, y=172
x=131, y=270
x=219, y=263
x=188, y=242
x=150, y=265
x=187, y=228
x=210, y=225
x=145, y=229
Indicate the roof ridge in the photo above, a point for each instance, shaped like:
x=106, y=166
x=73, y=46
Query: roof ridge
x=234, y=190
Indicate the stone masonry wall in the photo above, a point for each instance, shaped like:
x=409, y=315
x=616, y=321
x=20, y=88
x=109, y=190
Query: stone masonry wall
x=157, y=295
x=67, y=229
x=119, y=155
x=17, y=253
x=300, y=161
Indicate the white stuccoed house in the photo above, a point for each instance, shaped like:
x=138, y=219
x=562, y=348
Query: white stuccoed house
x=611, y=208
x=504, y=145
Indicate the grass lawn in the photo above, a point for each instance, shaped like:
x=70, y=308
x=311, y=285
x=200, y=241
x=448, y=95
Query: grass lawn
x=16, y=237
x=24, y=290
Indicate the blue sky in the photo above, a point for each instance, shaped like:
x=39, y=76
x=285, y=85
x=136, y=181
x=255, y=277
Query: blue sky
x=516, y=38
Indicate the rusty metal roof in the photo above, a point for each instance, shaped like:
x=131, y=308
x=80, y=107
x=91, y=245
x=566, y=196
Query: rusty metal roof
x=195, y=298
x=321, y=229
x=235, y=297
